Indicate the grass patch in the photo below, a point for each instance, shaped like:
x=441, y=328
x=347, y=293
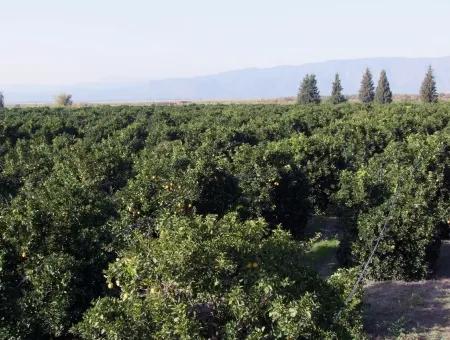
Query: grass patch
x=322, y=256
x=322, y=251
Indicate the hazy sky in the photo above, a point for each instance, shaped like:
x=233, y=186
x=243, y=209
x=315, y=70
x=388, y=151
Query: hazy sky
x=62, y=41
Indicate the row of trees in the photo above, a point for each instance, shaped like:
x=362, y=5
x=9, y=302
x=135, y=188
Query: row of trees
x=188, y=222
x=309, y=92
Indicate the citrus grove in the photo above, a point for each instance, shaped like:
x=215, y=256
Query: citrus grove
x=188, y=221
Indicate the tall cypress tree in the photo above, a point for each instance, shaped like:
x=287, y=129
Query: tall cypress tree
x=2, y=101
x=308, y=92
x=383, y=94
x=336, y=92
x=366, y=92
x=428, y=91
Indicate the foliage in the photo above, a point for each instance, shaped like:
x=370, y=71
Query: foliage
x=57, y=234
x=383, y=93
x=82, y=187
x=336, y=92
x=406, y=187
x=428, y=91
x=309, y=92
x=366, y=91
x=217, y=278
x=272, y=186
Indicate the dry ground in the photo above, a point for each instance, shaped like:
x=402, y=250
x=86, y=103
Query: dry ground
x=282, y=100
x=392, y=309
x=411, y=310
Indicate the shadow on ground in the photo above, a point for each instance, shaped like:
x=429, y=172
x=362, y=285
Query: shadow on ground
x=410, y=310
x=395, y=308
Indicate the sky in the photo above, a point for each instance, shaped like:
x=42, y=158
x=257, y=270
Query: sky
x=79, y=41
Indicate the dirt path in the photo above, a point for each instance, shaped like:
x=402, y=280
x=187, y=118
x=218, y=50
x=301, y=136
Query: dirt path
x=411, y=310
x=393, y=309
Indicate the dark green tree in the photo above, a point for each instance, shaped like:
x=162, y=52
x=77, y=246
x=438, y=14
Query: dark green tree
x=383, y=94
x=428, y=91
x=2, y=101
x=336, y=92
x=308, y=92
x=366, y=92
x=211, y=278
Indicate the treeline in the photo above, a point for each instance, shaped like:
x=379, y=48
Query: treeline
x=189, y=222
x=309, y=92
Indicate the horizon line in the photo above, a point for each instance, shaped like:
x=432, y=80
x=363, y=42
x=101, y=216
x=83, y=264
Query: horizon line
x=213, y=74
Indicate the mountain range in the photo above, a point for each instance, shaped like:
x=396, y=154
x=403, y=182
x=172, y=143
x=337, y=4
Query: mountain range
x=405, y=76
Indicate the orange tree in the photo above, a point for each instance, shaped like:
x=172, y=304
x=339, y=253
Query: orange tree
x=407, y=187
x=204, y=277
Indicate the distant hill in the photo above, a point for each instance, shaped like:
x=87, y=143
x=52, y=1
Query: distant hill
x=405, y=75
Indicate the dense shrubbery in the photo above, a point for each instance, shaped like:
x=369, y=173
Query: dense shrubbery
x=409, y=182
x=209, y=278
x=204, y=191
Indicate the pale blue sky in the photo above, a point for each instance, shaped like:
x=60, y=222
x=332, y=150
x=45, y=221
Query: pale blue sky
x=62, y=41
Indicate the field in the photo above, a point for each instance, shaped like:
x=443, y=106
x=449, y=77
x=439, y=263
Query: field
x=219, y=221
x=397, y=98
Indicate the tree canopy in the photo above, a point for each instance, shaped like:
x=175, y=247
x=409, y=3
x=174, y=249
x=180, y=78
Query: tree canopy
x=383, y=94
x=366, y=91
x=428, y=90
x=309, y=92
x=336, y=92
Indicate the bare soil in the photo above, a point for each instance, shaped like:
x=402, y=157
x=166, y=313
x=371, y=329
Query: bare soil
x=410, y=310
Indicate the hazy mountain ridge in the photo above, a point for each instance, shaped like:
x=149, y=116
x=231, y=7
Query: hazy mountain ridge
x=405, y=76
